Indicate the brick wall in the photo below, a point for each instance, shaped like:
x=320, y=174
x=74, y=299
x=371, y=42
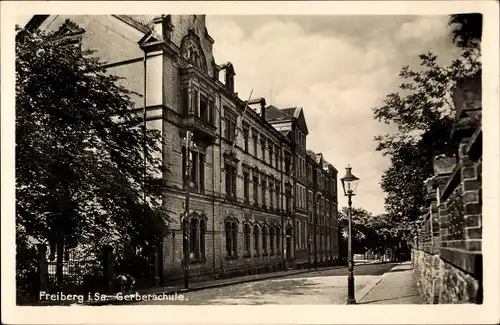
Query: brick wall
x=448, y=255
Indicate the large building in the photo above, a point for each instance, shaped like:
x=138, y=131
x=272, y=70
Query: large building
x=258, y=197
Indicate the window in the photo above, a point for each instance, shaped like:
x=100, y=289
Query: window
x=197, y=170
x=278, y=199
x=230, y=126
x=204, y=109
x=288, y=197
x=278, y=162
x=246, y=186
x=272, y=236
x=256, y=234
x=278, y=240
x=194, y=251
x=194, y=103
x=246, y=132
x=231, y=238
x=271, y=193
x=256, y=188
x=203, y=230
x=297, y=234
x=255, y=140
x=247, y=232
x=287, y=163
x=263, y=148
x=310, y=199
x=231, y=173
x=264, y=240
x=235, y=239
x=297, y=192
x=271, y=154
x=304, y=235
x=263, y=184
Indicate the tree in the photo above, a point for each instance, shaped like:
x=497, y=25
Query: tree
x=80, y=177
x=423, y=112
x=467, y=30
x=375, y=233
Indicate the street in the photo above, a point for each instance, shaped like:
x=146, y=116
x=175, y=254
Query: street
x=321, y=287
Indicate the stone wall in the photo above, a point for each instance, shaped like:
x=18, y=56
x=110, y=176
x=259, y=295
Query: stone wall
x=448, y=255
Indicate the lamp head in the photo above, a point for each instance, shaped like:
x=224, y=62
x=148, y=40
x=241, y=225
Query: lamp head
x=349, y=182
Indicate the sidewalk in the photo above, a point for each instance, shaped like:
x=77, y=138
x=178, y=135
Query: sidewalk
x=396, y=286
x=179, y=289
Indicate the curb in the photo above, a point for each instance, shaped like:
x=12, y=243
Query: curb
x=210, y=286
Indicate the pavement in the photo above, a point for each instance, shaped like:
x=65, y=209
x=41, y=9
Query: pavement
x=397, y=286
x=375, y=283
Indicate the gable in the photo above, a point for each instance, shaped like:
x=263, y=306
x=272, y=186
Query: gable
x=97, y=33
x=301, y=122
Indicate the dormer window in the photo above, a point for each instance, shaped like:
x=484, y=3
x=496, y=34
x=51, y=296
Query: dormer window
x=192, y=51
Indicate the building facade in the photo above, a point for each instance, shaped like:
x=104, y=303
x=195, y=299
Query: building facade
x=252, y=201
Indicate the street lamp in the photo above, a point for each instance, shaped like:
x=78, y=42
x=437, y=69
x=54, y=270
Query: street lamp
x=350, y=184
x=188, y=140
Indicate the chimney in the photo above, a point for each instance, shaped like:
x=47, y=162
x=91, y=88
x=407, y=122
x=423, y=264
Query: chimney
x=263, y=108
x=262, y=102
x=228, y=76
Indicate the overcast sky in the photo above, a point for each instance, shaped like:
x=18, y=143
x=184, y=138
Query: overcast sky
x=337, y=68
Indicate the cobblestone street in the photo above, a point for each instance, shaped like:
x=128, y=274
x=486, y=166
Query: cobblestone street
x=321, y=287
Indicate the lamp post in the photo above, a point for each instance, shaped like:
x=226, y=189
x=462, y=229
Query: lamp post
x=350, y=184
x=185, y=220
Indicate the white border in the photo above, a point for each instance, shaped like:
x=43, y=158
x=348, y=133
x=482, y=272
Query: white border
x=389, y=314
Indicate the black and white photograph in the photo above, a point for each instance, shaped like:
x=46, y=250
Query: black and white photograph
x=239, y=159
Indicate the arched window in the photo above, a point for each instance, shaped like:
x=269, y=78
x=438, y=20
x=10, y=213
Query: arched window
x=203, y=230
x=278, y=240
x=228, y=238
x=235, y=238
x=256, y=235
x=264, y=240
x=197, y=231
x=247, y=230
x=193, y=238
x=272, y=235
x=231, y=230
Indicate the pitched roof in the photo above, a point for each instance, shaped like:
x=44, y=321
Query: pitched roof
x=311, y=154
x=274, y=113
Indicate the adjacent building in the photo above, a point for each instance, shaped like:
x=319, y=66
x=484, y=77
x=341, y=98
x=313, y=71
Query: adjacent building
x=258, y=197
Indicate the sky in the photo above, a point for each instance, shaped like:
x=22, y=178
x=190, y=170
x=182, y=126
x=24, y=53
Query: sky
x=337, y=68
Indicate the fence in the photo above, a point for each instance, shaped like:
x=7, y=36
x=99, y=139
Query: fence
x=75, y=274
